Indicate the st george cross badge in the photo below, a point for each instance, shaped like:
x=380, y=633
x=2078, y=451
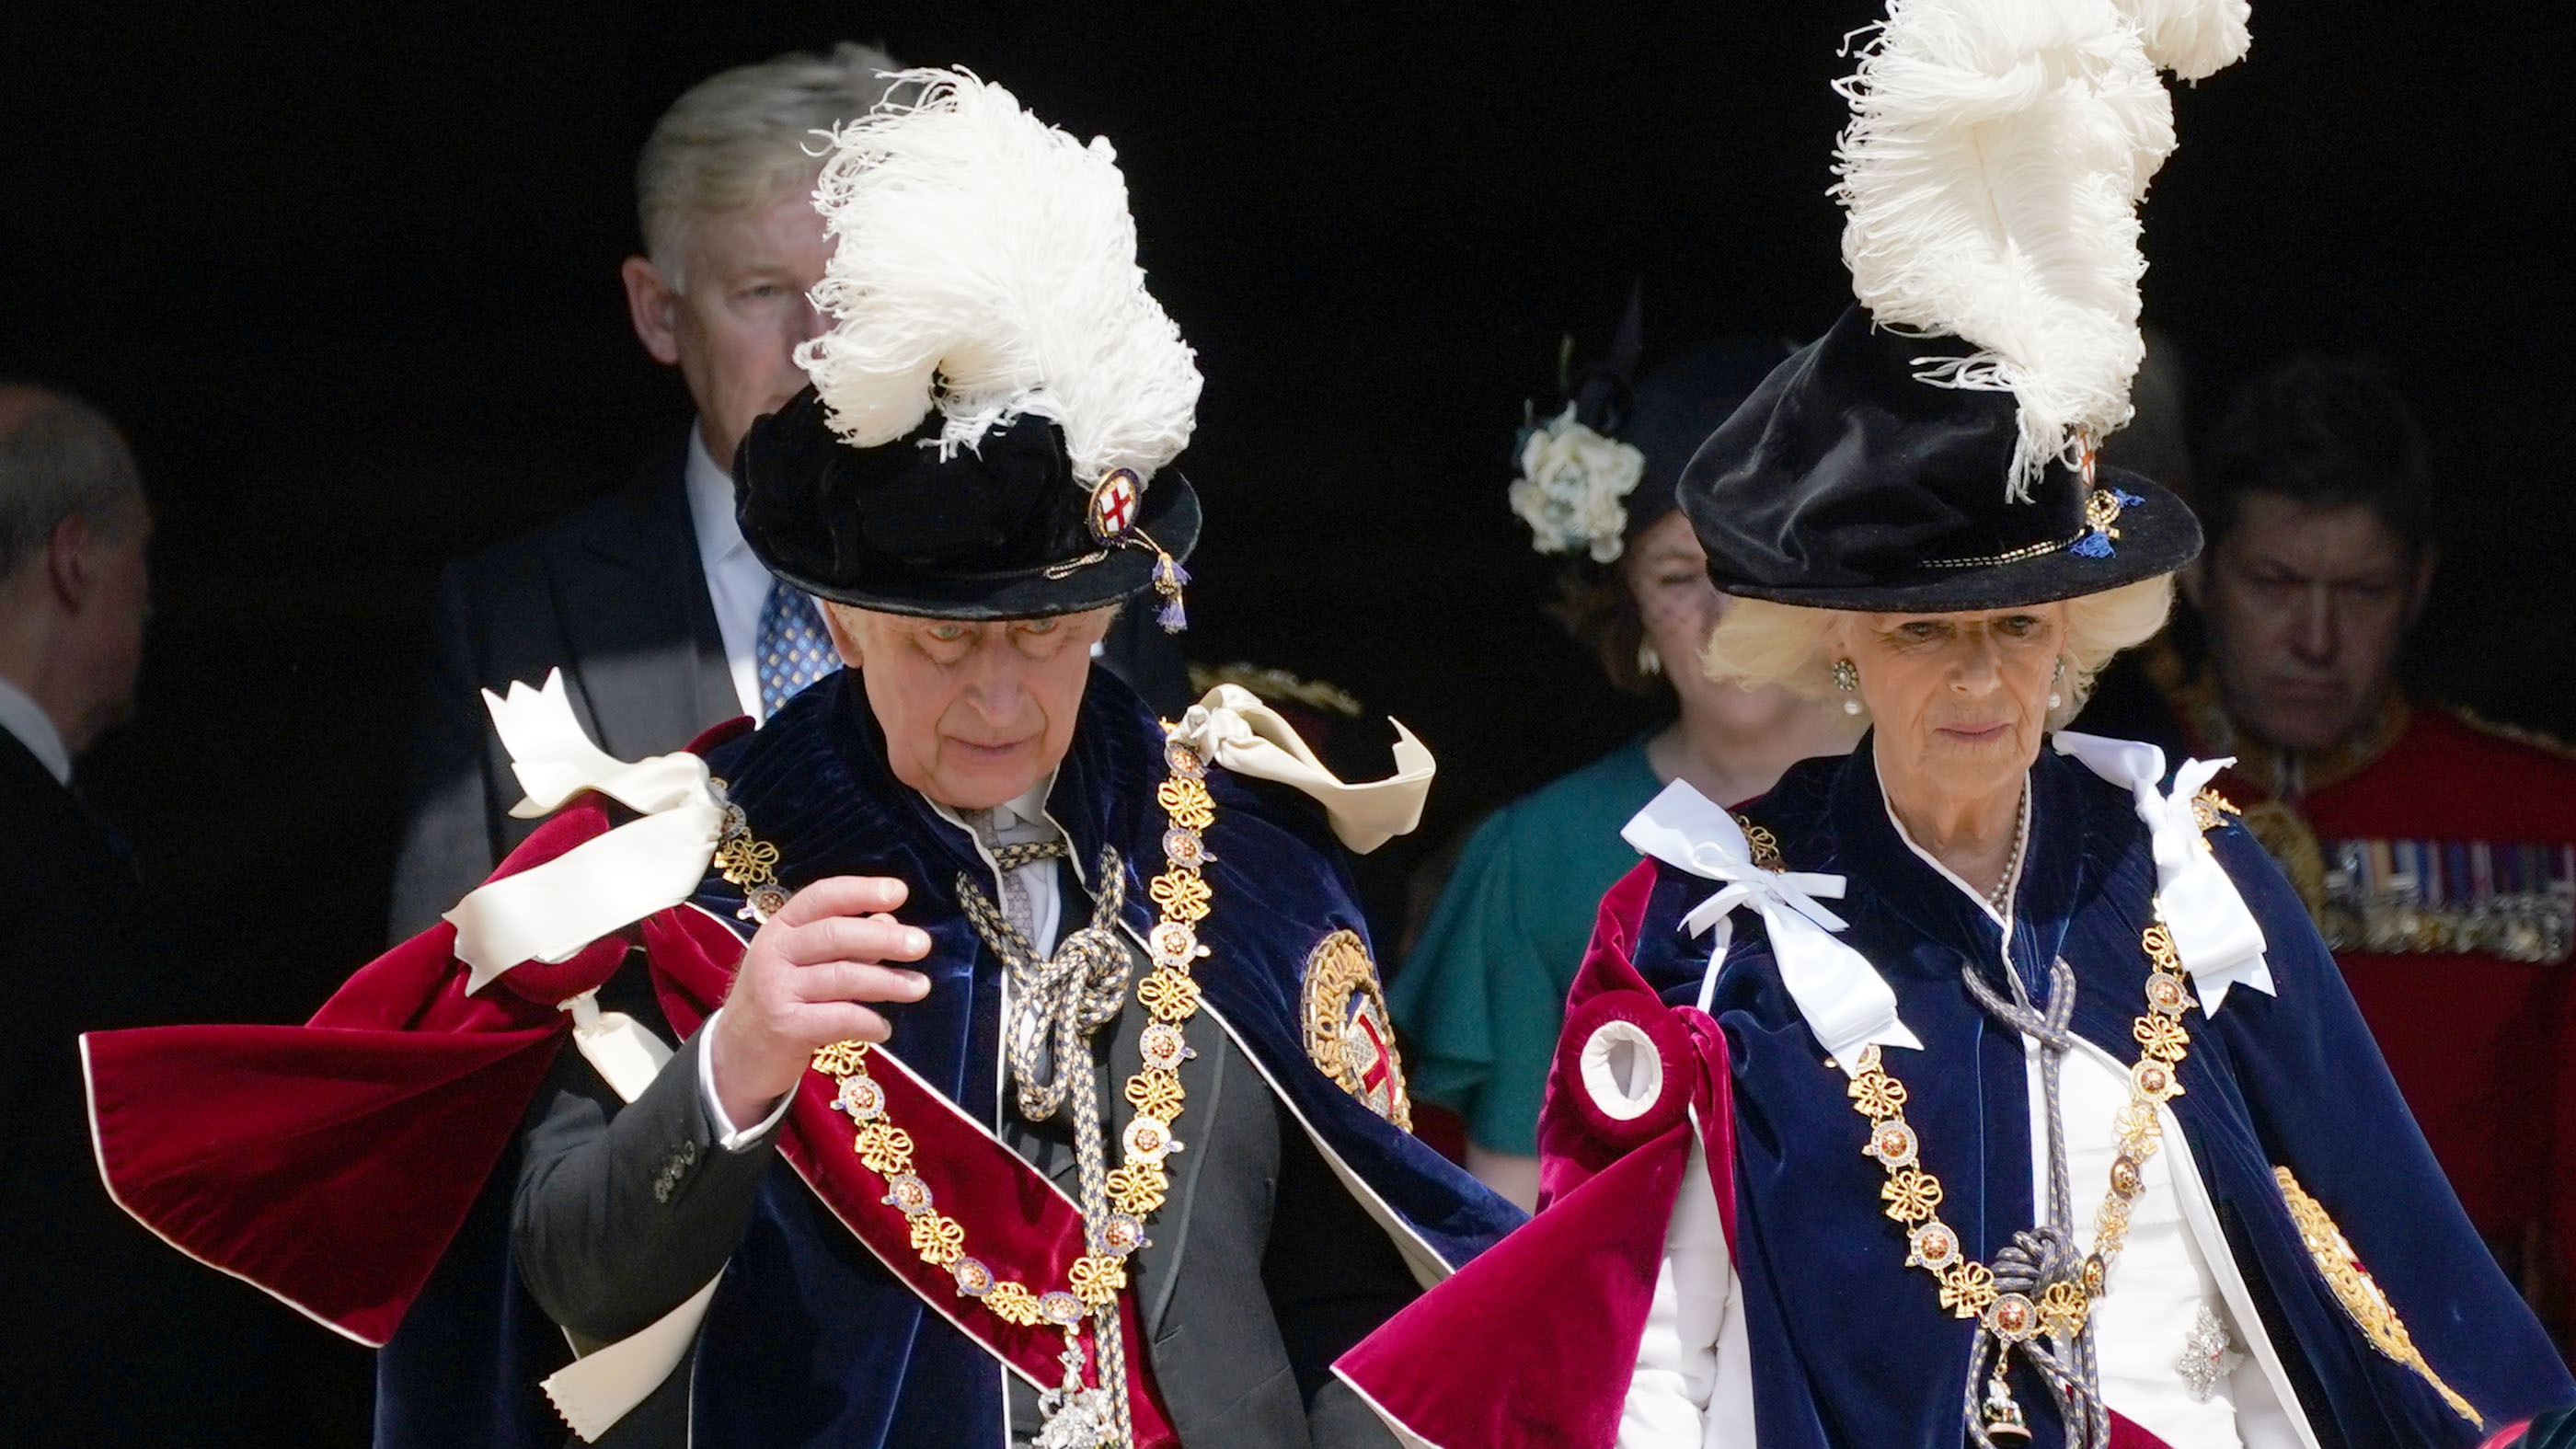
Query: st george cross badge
x=1348, y=1033
x=1114, y=504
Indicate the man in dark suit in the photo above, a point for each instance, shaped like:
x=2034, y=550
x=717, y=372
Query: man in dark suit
x=660, y=618
x=102, y=1332
x=647, y=599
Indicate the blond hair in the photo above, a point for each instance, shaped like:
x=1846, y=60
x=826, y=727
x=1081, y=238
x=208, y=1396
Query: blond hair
x=736, y=141
x=1761, y=643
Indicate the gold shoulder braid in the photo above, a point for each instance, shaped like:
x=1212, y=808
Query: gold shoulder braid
x=1117, y=1203
x=1760, y=843
x=2360, y=1295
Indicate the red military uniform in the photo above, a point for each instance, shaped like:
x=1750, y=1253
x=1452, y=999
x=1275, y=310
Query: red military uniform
x=2438, y=854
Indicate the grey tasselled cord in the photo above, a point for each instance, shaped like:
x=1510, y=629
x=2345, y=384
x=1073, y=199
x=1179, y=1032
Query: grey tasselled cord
x=2042, y=1256
x=1056, y=1003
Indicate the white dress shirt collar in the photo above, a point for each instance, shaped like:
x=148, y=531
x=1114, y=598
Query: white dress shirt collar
x=1028, y=810
x=22, y=717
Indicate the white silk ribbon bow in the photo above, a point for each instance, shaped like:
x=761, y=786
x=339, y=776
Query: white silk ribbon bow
x=2214, y=931
x=551, y=911
x=1847, y=1004
x=1233, y=728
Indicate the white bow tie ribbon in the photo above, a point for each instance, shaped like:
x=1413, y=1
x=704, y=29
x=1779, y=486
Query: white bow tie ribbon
x=2214, y=931
x=1846, y=1003
x=1234, y=729
x=550, y=911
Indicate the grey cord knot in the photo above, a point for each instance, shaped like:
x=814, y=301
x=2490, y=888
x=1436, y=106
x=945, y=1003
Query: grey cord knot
x=2044, y=1256
x=1058, y=1001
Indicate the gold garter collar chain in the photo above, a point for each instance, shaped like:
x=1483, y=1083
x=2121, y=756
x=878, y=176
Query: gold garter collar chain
x=1133, y=1191
x=1913, y=1194
x=1969, y=1290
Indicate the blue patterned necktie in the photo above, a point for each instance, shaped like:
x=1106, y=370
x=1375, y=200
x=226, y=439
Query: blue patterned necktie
x=792, y=650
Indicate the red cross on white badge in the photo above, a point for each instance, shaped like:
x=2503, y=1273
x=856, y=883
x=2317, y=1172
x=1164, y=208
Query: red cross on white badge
x=1376, y=1074
x=1113, y=506
x=1379, y=1065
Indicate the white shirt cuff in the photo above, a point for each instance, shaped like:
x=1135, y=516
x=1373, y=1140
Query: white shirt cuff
x=733, y=1139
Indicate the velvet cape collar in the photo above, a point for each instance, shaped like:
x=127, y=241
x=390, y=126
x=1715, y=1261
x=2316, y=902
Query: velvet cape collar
x=814, y=783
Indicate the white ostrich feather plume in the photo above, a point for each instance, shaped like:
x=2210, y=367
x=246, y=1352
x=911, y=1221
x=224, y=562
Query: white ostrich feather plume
x=1990, y=178
x=2191, y=38
x=984, y=264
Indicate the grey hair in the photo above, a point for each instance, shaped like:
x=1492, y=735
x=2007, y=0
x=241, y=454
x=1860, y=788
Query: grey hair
x=737, y=140
x=1761, y=643
x=58, y=457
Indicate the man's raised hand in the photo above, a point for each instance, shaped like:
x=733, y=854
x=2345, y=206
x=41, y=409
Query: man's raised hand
x=803, y=978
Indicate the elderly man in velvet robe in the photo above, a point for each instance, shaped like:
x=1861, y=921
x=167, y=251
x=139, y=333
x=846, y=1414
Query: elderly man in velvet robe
x=1034, y=1083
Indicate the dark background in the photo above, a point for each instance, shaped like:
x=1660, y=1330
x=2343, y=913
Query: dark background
x=349, y=280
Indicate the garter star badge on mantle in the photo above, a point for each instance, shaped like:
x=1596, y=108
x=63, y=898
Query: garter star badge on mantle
x=1348, y=1032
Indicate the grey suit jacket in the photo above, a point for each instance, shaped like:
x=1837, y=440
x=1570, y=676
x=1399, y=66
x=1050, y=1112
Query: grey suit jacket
x=1260, y=1269
x=613, y=595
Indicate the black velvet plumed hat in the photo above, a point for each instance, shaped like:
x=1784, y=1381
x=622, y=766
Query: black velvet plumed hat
x=1001, y=531
x=1935, y=451
x=1844, y=482
x=997, y=402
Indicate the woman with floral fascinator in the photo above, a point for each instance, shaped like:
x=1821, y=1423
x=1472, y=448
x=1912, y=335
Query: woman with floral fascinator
x=1482, y=994
x=1987, y=1086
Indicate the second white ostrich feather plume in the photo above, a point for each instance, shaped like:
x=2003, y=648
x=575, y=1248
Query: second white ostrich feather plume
x=1990, y=177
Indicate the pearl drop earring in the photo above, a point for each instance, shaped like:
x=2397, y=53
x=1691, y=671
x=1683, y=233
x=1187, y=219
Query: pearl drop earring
x=1847, y=679
x=2055, y=699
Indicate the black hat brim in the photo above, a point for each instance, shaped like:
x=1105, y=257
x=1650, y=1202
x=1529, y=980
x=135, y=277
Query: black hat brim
x=1107, y=575
x=2157, y=535
x=999, y=530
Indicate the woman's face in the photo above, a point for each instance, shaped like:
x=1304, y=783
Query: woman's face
x=1959, y=701
x=1667, y=575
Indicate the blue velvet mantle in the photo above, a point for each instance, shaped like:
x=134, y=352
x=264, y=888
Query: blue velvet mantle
x=1850, y=1348
x=809, y=1340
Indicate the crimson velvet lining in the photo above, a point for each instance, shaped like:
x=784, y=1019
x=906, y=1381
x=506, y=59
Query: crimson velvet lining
x=331, y=1163
x=1533, y=1343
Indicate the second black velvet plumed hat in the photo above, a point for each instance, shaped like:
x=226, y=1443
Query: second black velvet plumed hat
x=1935, y=451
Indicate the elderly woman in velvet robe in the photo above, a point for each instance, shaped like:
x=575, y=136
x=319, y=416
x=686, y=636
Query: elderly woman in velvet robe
x=1986, y=1085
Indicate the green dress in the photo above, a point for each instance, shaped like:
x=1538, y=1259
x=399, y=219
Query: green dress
x=1482, y=997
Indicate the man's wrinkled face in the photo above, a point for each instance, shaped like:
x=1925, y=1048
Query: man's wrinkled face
x=741, y=310
x=973, y=713
x=2306, y=606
